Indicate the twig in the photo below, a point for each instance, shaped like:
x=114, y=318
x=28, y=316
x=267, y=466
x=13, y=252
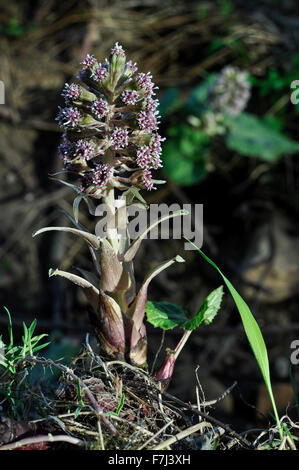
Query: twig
x=203, y=415
x=291, y=444
x=224, y=394
x=210, y=419
x=156, y=435
x=37, y=439
x=181, y=435
x=283, y=443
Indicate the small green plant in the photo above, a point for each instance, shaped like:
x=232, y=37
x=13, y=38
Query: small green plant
x=10, y=354
x=119, y=406
x=166, y=315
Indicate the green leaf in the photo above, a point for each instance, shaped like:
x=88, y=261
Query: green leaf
x=32, y=328
x=165, y=315
x=121, y=404
x=251, y=136
x=79, y=394
x=9, y=328
x=207, y=311
x=41, y=346
x=77, y=412
x=253, y=334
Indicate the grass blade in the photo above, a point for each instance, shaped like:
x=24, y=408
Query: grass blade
x=253, y=334
x=9, y=328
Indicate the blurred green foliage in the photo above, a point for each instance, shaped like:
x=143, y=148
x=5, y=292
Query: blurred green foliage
x=192, y=125
x=14, y=28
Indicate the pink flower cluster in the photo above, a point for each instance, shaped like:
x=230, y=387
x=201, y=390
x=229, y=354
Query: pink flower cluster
x=110, y=125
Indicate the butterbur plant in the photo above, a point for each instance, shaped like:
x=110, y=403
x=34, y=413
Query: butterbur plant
x=231, y=91
x=111, y=143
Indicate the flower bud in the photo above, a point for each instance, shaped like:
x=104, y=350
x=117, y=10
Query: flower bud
x=166, y=370
x=117, y=61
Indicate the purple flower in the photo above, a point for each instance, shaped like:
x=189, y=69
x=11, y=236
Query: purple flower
x=86, y=181
x=88, y=62
x=71, y=92
x=117, y=50
x=129, y=96
x=100, y=108
x=147, y=180
x=144, y=157
x=130, y=67
x=85, y=149
x=155, y=144
x=144, y=81
x=231, y=91
x=101, y=175
x=100, y=73
x=65, y=151
x=127, y=139
x=151, y=105
x=147, y=121
x=119, y=138
x=69, y=117
x=156, y=161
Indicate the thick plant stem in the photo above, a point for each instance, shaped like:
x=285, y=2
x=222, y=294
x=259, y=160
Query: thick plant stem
x=109, y=202
x=164, y=374
x=182, y=343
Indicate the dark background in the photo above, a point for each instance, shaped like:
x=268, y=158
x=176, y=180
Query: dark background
x=250, y=209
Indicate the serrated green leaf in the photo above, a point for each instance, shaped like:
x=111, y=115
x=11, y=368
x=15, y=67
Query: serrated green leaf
x=251, y=136
x=207, y=311
x=165, y=315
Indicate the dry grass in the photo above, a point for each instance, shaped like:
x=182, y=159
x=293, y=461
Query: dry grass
x=111, y=405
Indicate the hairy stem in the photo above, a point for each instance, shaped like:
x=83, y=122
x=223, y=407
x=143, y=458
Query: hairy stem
x=109, y=202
